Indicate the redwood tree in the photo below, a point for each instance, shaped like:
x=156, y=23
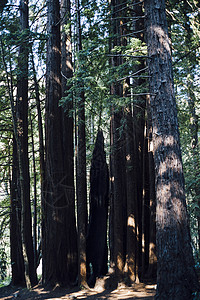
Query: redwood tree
x=68, y=145
x=17, y=261
x=118, y=201
x=81, y=180
x=22, y=144
x=130, y=212
x=16, y=253
x=176, y=277
x=59, y=247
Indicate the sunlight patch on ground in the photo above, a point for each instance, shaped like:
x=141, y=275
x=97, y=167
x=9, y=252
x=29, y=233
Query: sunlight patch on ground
x=136, y=291
x=123, y=292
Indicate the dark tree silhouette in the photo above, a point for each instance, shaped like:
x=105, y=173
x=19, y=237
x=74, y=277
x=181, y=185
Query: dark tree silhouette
x=97, y=250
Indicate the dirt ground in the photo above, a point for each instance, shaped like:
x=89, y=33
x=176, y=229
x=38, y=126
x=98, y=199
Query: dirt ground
x=135, y=291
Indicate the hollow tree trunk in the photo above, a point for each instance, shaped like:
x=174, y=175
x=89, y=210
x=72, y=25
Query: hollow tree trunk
x=97, y=250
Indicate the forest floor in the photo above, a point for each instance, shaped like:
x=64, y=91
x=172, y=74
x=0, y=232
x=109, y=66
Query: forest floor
x=136, y=291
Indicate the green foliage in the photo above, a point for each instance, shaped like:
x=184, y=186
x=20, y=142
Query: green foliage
x=3, y=264
x=184, y=20
x=12, y=37
x=94, y=74
x=4, y=234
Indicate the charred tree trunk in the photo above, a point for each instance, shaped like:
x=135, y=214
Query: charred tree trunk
x=111, y=210
x=176, y=276
x=97, y=250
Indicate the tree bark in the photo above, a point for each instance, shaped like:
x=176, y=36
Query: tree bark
x=41, y=149
x=22, y=142
x=81, y=181
x=140, y=174
x=131, y=263
x=176, y=277
x=40, y=129
x=68, y=145
x=17, y=261
x=118, y=153
x=58, y=258
x=152, y=268
x=145, y=207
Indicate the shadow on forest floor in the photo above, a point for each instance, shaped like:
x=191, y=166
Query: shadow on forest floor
x=136, y=292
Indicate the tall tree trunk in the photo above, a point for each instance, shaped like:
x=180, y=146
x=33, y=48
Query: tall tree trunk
x=111, y=210
x=118, y=152
x=176, y=277
x=139, y=107
x=17, y=261
x=81, y=181
x=145, y=207
x=59, y=197
x=22, y=138
x=152, y=268
x=68, y=145
x=40, y=127
x=131, y=239
x=131, y=263
x=41, y=149
x=35, y=215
